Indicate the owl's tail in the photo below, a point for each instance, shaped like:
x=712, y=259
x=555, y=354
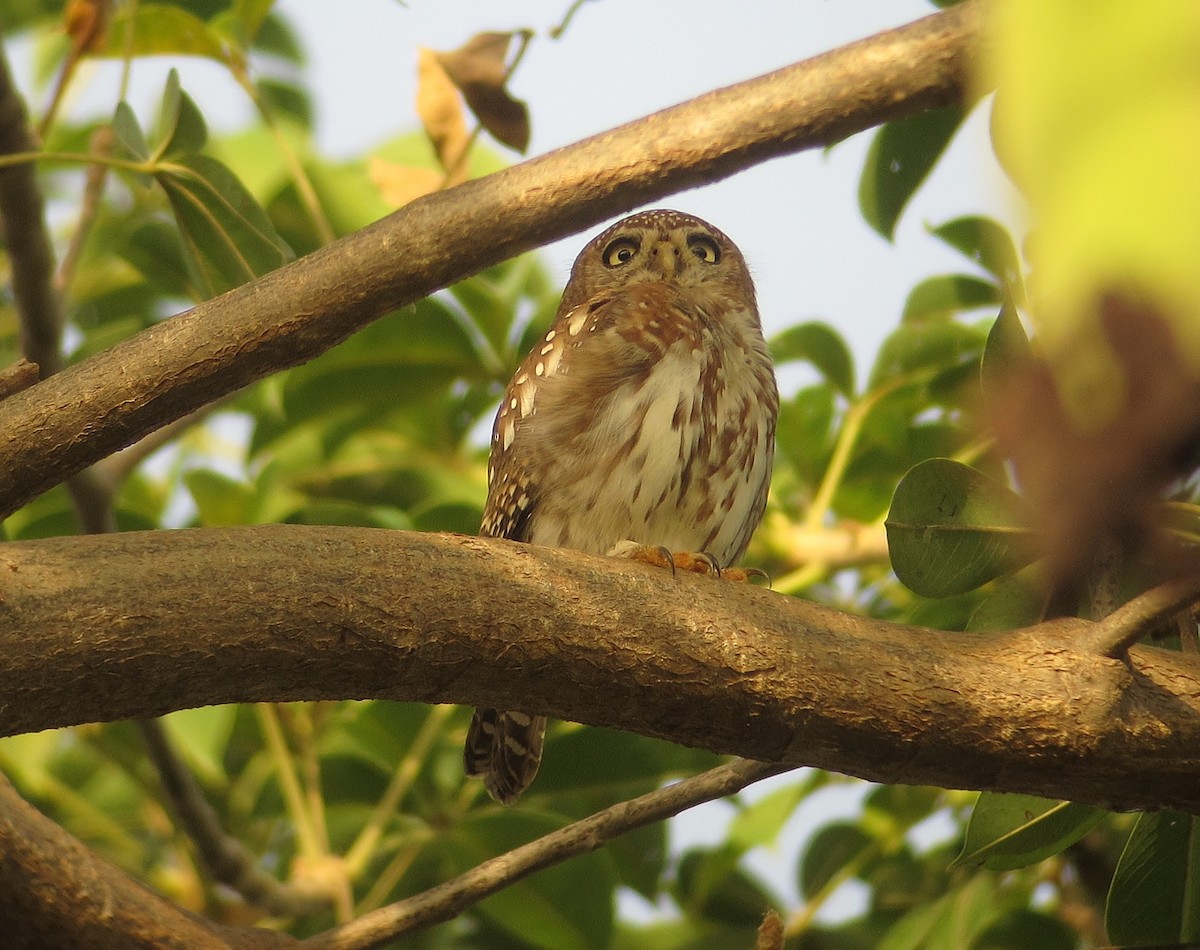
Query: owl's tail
x=506, y=749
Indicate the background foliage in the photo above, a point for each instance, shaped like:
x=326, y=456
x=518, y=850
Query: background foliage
x=386, y=430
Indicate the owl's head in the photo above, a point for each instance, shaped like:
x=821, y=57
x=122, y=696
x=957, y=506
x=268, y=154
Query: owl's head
x=659, y=245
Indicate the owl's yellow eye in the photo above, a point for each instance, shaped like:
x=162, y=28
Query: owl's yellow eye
x=704, y=248
x=620, y=252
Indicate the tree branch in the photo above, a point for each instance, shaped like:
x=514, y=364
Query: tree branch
x=298, y=311
x=1126, y=625
x=20, y=375
x=38, y=304
x=448, y=900
x=59, y=894
x=287, y=612
x=227, y=859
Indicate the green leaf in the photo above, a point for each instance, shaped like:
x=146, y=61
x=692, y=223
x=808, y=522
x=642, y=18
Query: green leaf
x=565, y=907
x=937, y=298
x=901, y=155
x=950, y=923
x=240, y=24
x=202, y=734
x=1006, y=352
x=220, y=500
x=161, y=29
x=1155, y=893
x=227, y=237
x=710, y=884
x=805, y=430
x=1007, y=832
x=1012, y=602
x=182, y=131
x=833, y=851
x=129, y=133
x=951, y=529
x=823, y=347
x=931, y=346
x=1025, y=929
x=759, y=824
x=611, y=764
x=985, y=242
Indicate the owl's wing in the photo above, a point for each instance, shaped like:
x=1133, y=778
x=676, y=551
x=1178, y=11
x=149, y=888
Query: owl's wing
x=563, y=388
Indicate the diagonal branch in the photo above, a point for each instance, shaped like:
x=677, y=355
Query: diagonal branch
x=287, y=612
x=299, y=311
x=448, y=900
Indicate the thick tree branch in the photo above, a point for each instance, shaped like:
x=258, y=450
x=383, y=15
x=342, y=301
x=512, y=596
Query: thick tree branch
x=450, y=899
x=57, y=893
x=287, y=612
x=106, y=402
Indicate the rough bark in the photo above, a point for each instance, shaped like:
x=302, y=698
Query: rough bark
x=104, y=403
x=57, y=893
x=140, y=624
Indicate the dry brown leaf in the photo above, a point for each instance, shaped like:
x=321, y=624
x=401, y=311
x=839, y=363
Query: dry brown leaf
x=441, y=112
x=400, y=184
x=86, y=23
x=770, y=933
x=480, y=70
x=1103, y=480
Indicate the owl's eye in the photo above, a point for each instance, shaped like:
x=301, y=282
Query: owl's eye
x=620, y=251
x=704, y=248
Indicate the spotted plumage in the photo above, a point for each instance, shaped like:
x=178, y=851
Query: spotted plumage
x=646, y=413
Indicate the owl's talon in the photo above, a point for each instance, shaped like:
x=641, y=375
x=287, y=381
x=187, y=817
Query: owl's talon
x=698, y=562
x=742, y=575
x=653, y=554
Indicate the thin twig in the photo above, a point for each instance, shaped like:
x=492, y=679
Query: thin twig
x=448, y=900
x=102, y=143
x=556, y=32
x=228, y=860
x=1121, y=629
x=117, y=467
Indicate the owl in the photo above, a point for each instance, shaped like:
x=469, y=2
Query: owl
x=643, y=420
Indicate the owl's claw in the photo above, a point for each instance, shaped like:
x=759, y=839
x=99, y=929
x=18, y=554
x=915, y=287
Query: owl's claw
x=743, y=575
x=695, y=562
x=652, y=554
x=698, y=562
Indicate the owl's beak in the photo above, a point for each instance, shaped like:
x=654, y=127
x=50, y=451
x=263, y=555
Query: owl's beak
x=664, y=260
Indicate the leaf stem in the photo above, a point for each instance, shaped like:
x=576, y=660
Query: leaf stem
x=304, y=186
x=289, y=781
x=406, y=772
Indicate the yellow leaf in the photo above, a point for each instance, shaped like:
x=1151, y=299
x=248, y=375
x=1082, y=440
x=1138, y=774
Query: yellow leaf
x=1098, y=119
x=441, y=112
x=400, y=184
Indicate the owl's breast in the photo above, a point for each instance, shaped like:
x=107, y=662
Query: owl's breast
x=660, y=448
